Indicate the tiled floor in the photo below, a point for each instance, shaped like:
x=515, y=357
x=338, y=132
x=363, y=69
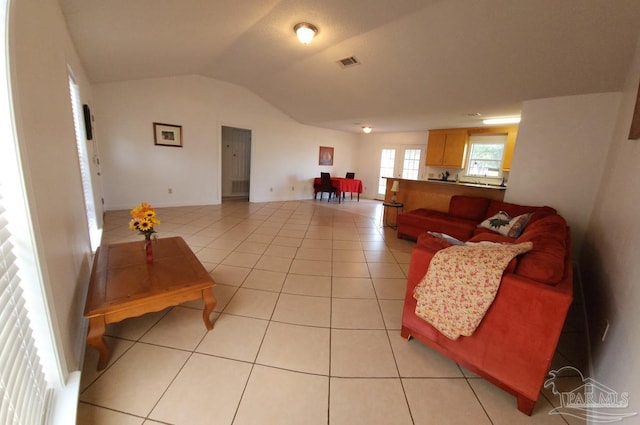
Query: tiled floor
x=306, y=332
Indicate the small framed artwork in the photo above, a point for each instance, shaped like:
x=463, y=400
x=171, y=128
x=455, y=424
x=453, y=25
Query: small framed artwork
x=167, y=134
x=326, y=156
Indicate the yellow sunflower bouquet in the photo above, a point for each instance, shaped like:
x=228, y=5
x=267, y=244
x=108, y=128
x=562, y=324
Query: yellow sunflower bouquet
x=143, y=219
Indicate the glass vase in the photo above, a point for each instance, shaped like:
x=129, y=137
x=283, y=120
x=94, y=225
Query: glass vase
x=148, y=248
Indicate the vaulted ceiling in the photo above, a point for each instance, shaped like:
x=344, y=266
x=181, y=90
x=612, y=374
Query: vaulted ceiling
x=423, y=63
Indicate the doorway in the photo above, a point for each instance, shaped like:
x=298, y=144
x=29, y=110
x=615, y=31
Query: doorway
x=236, y=163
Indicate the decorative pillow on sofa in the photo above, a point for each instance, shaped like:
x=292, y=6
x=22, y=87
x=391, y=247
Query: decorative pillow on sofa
x=506, y=225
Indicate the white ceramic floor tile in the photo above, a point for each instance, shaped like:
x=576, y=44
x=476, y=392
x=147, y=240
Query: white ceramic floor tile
x=356, y=314
x=234, y=337
x=210, y=401
x=281, y=251
x=274, y=263
x=230, y=275
x=416, y=360
x=252, y=247
x=223, y=294
x=502, y=407
x=90, y=372
x=94, y=415
x=265, y=280
x=361, y=353
x=181, y=328
x=386, y=270
x=368, y=402
x=136, y=381
x=300, y=284
x=241, y=259
x=379, y=256
x=303, y=310
x=212, y=255
x=294, y=347
x=392, y=313
x=348, y=256
x=444, y=401
x=390, y=289
x=311, y=267
x=315, y=254
x=352, y=287
x=275, y=396
x=252, y=303
x=342, y=269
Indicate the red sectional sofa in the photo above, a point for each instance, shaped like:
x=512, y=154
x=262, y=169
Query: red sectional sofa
x=516, y=340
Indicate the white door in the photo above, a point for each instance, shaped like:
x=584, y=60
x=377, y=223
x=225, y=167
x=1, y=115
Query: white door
x=412, y=162
x=236, y=162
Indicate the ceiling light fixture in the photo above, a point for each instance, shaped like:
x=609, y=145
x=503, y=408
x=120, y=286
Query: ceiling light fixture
x=305, y=32
x=505, y=120
x=367, y=129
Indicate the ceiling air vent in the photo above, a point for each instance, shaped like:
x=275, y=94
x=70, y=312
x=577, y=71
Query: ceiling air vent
x=348, y=62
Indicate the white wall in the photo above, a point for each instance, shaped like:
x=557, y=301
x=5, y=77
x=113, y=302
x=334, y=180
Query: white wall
x=559, y=155
x=284, y=152
x=40, y=51
x=610, y=265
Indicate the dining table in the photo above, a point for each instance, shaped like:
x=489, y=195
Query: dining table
x=342, y=186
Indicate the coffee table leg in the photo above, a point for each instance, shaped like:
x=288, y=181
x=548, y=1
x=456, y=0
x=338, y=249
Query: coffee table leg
x=95, y=339
x=209, y=304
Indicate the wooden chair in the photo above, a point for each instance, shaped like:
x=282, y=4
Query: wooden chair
x=326, y=186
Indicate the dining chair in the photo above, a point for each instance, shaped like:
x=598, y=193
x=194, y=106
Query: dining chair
x=326, y=186
x=350, y=175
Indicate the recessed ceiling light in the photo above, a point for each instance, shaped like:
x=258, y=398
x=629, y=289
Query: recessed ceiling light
x=305, y=32
x=503, y=120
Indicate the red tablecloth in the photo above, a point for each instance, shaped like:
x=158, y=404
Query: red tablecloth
x=342, y=186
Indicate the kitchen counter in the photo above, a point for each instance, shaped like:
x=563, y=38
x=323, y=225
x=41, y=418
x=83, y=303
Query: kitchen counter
x=435, y=194
x=468, y=184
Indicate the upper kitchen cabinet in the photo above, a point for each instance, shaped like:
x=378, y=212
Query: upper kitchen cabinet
x=509, y=146
x=446, y=148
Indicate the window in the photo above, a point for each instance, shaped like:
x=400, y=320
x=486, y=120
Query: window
x=387, y=163
x=411, y=164
x=95, y=233
x=485, y=155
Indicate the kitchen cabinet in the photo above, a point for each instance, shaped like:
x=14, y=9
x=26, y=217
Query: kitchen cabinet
x=509, y=146
x=446, y=148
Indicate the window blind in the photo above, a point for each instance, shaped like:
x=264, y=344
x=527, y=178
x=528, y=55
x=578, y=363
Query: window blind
x=23, y=388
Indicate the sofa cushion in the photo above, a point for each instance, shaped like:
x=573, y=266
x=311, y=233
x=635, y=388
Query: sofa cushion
x=515, y=210
x=546, y=261
x=468, y=207
x=456, y=227
x=506, y=225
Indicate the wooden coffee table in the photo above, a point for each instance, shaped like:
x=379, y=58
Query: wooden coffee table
x=123, y=285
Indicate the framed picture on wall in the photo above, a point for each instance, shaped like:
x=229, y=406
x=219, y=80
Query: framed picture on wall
x=326, y=156
x=167, y=134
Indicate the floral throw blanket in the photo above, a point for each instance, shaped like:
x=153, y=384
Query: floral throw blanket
x=461, y=283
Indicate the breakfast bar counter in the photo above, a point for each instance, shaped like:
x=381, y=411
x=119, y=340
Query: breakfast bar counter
x=435, y=194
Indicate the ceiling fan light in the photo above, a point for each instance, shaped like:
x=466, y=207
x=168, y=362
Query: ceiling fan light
x=305, y=32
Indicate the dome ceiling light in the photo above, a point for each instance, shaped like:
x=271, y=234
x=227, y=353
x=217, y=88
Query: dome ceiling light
x=305, y=32
x=367, y=129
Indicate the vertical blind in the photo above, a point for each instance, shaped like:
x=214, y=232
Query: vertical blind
x=23, y=387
